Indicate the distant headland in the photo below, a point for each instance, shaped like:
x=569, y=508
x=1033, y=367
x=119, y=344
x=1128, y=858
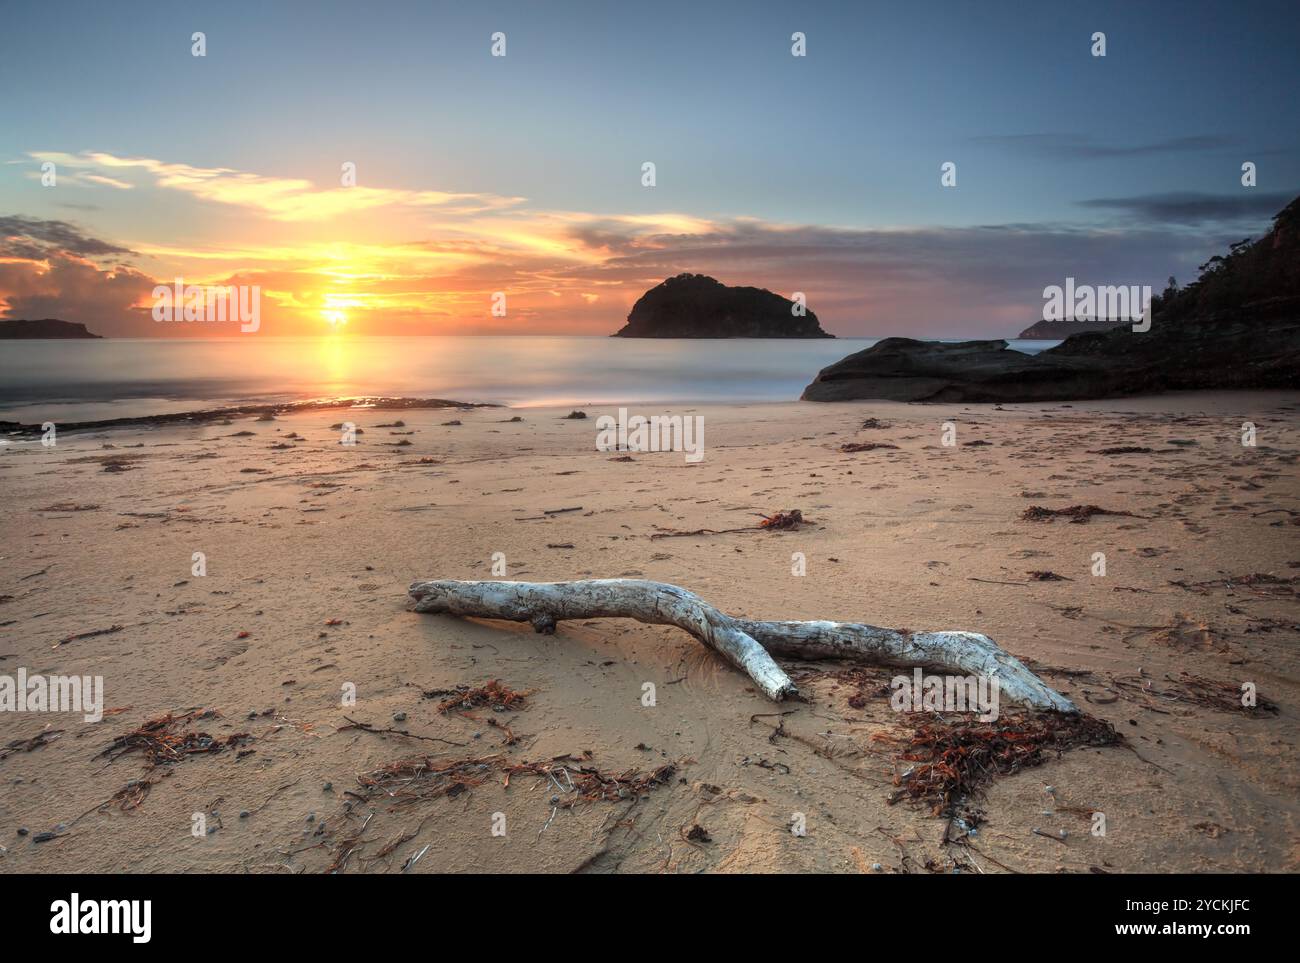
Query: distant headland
x=45, y=328
x=1236, y=327
x=1060, y=329
x=698, y=306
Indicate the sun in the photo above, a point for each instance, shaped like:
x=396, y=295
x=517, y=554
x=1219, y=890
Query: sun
x=335, y=319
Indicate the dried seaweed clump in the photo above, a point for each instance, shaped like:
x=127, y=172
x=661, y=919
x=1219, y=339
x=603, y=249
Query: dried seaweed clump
x=791, y=518
x=164, y=740
x=855, y=446
x=588, y=784
x=41, y=739
x=870, y=683
x=424, y=777
x=494, y=694
x=1077, y=514
x=953, y=760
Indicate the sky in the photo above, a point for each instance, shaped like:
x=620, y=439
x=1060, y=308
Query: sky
x=523, y=174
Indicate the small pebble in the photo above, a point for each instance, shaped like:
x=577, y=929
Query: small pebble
x=399, y=716
x=311, y=817
x=22, y=830
x=244, y=814
x=327, y=787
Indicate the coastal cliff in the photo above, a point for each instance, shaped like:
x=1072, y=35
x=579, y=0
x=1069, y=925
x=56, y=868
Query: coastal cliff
x=1236, y=327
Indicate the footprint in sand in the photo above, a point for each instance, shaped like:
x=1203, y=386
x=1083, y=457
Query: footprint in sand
x=232, y=650
x=1185, y=633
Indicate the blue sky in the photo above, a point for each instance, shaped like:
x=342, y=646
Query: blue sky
x=745, y=137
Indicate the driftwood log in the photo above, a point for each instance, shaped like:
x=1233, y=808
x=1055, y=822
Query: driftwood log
x=749, y=645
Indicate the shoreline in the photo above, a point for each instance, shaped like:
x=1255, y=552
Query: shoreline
x=201, y=416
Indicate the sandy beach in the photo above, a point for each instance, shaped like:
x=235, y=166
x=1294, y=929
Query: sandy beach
x=310, y=547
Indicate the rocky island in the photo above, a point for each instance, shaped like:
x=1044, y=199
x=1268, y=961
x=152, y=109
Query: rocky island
x=18, y=328
x=698, y=306
x=1236, y=327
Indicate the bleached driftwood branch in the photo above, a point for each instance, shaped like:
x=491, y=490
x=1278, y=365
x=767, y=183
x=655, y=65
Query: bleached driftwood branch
x=545, y=603
x=747, y=644
x=968, y=652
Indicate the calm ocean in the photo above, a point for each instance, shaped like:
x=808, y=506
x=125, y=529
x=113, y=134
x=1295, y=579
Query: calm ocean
x=87, y=380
